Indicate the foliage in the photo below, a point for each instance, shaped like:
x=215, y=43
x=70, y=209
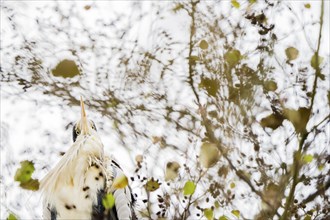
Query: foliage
x=228, y=104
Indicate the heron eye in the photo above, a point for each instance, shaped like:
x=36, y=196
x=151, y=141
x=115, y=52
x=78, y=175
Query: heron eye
x=77, y=132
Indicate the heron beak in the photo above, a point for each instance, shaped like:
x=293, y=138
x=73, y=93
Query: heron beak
x=83, y=120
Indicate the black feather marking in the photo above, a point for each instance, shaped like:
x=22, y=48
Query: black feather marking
x=116, y=164
x=86, y=188
x=98, y=209
x=67, y=206
x=53, y=214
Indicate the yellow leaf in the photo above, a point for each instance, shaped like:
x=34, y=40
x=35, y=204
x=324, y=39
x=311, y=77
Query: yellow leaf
x=24, y=174
x=172, y=169
x=233, y=57
x=209, y=154
x=236, y=213
x=108, y=201
x=208, y=213
x=203, y=45
x=152, y=185
x=316, y=61
x=308, y=158
x=11, y=217
x=120, y=182
x=307, y=5
x=223, y=217
x=189, y=188
x=232, y=185
x=291, y=53
x=235, y=3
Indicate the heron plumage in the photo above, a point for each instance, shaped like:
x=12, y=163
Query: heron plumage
x=75, y=187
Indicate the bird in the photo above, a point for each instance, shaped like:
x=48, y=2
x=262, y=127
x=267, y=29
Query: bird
x=76, y=186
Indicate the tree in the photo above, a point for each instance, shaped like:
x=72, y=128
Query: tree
x=225, y=113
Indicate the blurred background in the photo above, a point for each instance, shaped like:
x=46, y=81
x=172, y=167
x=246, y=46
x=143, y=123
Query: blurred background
x=248, y=80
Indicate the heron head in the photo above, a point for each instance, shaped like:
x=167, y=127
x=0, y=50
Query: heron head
x=83, y=126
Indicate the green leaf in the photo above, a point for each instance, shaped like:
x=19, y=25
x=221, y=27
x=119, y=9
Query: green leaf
x=272, y=121
x=223, y=217
x=316, y=61
x=308, y=158
x=66, y=69
x=210, y=85
x=233, y=57
x=235, y=3
x=236, y=213
x=108, y=201
x=32, y=184
x=203, y=45
x=252, y=1
x=308, y=217
x=232, y=185
x=189, y=188
x=24, y=173
x=178, y=7
x=307, y=5
x=270, y=86
x=152, y=185
x=208, y=213
x=299, y=118
x=291, y=53
x=11, y=217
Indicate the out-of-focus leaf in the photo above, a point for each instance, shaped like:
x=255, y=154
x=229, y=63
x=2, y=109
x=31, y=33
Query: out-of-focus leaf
x=233, y=57
x=203, y=45
x=252, y=1
x=209, y=154
x=108, y=201
x=308, y=158
x=270, y=86
x=291, y=53
x=235, y=3
x=236, y=213
x=307, y=5
x=172, y=169
x=232, y=185
x=308, y=217
x=66, y=69
x=11, y=217
x=87, y=7
x=189, y=188
x=139, y=158
x=210, y=85
x=223, y=217
x=120, y=182
x=223, y=171
x=32, y=184
x=272, y=121
x=299, y=118
x=24, y=174
x=152, y=185
x=320, y=167
x=178, y=7
x=208, y=213
x=316, y=61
